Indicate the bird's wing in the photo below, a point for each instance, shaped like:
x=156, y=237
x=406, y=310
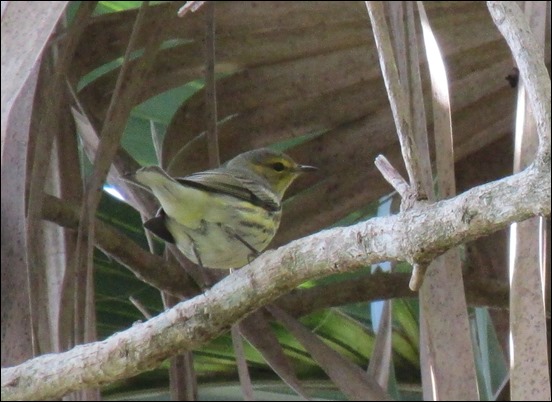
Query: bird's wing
x=158, y=226
x=235, y=184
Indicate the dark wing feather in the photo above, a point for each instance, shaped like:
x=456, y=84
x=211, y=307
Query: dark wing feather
x=158, y=227
x=236, y=184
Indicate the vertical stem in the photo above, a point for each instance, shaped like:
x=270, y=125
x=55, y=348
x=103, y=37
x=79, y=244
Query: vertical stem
x=210, y=86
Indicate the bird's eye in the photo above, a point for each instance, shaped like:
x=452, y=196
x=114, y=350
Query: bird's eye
x=278, y=166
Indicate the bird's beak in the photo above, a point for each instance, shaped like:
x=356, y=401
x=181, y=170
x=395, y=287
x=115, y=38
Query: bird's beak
x=306, y=169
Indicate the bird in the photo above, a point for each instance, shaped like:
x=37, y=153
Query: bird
x=224, y=217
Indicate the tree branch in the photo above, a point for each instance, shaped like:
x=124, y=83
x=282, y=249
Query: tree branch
x=480, y=292
x=149, y=268
x=168, y=277
x=423, y=233
x=397, y=99
x=512, y=23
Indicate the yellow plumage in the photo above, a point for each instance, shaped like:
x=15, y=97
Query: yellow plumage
x=222, y=218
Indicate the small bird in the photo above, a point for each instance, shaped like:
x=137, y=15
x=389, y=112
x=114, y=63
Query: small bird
x=224, y=217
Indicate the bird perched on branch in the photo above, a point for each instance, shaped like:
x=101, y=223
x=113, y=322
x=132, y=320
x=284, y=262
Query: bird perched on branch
x=224, y=217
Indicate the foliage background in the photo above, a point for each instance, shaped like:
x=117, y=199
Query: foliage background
x=301, y=77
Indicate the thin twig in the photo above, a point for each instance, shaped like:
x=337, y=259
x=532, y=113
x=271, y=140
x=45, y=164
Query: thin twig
x=417, y=278
x=140, y=306
x=243, y=371
x=109, y=141
x=210, y=86
x=182, y=375
x=530, y=61
x=417, y=108
x=397, y=97
x=392, y=176
x=192, y=6
x=442, y=120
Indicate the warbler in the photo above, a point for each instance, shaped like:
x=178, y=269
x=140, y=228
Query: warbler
x=224, y=217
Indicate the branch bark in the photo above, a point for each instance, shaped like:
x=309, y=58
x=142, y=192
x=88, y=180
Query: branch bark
x=480, y=292
x=147, y=267
x=529, y=59
x=423, y=233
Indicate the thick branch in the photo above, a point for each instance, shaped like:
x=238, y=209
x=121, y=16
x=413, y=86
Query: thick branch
x=383, y=285
x=170, y=277
x=424, y=233
x=147, y=267
x=513, y=25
